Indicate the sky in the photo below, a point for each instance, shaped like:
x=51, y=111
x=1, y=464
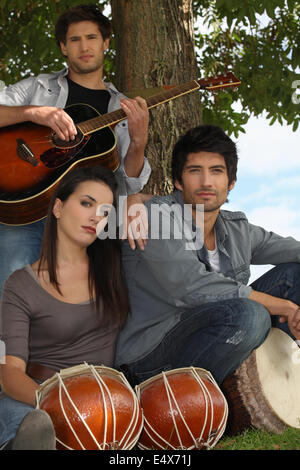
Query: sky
x=268, y=182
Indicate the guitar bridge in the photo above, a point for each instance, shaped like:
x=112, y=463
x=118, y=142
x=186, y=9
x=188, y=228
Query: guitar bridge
x=24, y=152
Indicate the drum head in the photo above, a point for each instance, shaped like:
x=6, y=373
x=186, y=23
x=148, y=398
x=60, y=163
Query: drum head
x=278, y=365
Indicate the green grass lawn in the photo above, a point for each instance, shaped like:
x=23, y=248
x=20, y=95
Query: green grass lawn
x=253, y=439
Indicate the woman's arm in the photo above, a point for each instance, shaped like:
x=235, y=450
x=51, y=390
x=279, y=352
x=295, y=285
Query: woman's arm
x=15, y=382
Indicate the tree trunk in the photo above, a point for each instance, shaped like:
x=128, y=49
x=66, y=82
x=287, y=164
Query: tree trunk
x=154, y=42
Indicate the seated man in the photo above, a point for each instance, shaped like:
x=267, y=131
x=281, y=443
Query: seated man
x=190, y=302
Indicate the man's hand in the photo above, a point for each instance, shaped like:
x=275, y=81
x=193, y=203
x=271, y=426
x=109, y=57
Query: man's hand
x=137, y=114
x=293, y=320
x=285, y=309
x=136, y=221
x=55, y=118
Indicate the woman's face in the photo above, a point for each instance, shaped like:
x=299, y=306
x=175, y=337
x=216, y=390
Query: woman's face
x=77, y=217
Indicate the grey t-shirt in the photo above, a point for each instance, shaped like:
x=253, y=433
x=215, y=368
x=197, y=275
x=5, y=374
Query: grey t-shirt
x=37, y=327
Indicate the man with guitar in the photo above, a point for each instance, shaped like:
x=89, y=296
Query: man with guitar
x=83, y=36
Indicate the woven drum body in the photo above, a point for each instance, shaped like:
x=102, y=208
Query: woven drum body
x=264, y=392
x=91, y=408
x=183, y=409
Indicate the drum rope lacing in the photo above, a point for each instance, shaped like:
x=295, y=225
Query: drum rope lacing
x=129, y=443
x=213, y=437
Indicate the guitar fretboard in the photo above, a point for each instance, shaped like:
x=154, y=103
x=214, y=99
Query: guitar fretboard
x=114, y=117
x=170, y=92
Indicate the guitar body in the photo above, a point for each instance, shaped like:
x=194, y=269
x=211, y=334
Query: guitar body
x=32, y=163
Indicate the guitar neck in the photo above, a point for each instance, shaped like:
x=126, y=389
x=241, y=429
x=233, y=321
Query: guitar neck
x=109, y=119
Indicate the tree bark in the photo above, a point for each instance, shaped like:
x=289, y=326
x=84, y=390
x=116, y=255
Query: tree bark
x=154, y=42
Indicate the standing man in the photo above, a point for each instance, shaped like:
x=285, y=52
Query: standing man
x=190, y=302
x=83, y=34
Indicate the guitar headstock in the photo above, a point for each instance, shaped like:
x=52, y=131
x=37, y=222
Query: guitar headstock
x=219, y=82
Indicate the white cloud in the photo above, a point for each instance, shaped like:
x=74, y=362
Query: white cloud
x=268, y=150
x=279, y=219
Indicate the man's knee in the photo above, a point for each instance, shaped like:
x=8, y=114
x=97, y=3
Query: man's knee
x=292, y=268
x=256, y=323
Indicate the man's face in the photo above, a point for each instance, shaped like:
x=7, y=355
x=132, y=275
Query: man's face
x=205, y=181
x=84, y=47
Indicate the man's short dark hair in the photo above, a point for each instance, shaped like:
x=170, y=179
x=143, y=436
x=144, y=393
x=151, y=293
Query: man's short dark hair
x=204, y=138
x=81, y=13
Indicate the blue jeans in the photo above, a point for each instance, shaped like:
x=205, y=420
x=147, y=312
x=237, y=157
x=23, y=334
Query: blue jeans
x=219, y=336
x=19, y=245
x=11, y=414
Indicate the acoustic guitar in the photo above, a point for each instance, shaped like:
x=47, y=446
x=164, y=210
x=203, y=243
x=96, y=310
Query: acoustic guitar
x=33, y=159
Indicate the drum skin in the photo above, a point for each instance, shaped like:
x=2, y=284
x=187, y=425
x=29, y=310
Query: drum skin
x=96, y=407
x=264, y=391
x=199, y=413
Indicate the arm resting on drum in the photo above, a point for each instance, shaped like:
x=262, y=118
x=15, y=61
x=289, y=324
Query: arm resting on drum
x=16, y=383
x=286, y=309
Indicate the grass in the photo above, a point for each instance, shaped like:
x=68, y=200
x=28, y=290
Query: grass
x=253, y=439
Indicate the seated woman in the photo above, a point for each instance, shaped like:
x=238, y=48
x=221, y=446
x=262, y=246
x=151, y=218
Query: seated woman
x=68, y=307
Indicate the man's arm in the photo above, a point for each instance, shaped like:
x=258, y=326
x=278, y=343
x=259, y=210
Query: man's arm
x=138, y=120
x=271, y=248
x=285, y=309
x=55, y=118
x=135, y=227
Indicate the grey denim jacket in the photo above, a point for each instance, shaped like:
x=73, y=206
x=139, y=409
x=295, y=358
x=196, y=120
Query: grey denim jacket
x=52, y=90
x=167, y=278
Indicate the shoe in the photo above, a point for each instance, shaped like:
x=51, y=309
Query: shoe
x=36, y=432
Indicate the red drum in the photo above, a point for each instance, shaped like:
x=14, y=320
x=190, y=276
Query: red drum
x=92, y=408
x=183, y=409
x=264, y=391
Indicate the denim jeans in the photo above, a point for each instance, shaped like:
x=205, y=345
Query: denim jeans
x=11, y=414
x=219, y=336
x=19, y=245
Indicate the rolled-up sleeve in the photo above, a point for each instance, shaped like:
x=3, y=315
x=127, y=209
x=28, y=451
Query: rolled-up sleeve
x=129, y=185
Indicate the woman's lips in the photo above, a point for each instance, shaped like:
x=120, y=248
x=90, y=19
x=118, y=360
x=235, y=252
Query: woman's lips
x=89, y=229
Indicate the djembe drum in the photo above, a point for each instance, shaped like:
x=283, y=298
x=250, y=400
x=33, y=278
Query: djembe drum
x=264, y=392
x=183, y=409
x=92, y=408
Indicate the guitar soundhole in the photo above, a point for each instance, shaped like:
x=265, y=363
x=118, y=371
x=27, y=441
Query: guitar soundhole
x=68, y=144
x=56, y=157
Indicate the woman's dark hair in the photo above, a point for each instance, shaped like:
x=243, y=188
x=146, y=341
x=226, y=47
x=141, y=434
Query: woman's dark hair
x=81, y=13
x=106, y=282
x=204, y=138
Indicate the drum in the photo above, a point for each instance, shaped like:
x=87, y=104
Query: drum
x=183, y=409
x=92, y=408
x=264, y=391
